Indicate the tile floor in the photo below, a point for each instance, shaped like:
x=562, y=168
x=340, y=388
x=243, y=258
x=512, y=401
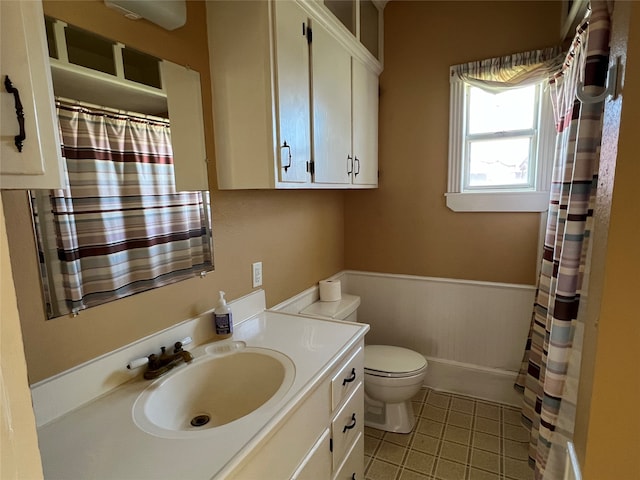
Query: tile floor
x=455, y=438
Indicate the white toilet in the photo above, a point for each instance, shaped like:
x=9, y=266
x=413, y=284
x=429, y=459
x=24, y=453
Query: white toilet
x=392, y=375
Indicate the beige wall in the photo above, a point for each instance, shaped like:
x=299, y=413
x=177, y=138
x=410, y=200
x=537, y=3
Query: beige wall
x=298, y=235
x=404, y=226
x=19, y=455
x=612, y=395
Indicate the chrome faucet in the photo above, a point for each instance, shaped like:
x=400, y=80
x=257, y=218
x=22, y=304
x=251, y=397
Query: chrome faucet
x=158, y=365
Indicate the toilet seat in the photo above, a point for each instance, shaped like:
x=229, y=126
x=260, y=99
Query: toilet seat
x=394, y=362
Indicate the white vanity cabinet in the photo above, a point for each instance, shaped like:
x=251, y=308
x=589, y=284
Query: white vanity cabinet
x=347, y=424
x=293, y=97
x=312, y=428
x=35, y=161
x=323, y=438
x=340, y=448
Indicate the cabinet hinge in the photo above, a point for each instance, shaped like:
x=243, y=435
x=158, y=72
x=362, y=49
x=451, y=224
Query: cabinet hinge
x=309, y=35
x=311, y=167
x=331, y=444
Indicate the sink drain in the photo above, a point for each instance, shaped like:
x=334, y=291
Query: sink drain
x=200, y=420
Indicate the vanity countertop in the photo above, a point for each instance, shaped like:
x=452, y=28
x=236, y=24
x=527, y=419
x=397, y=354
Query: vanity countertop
x=101, y=439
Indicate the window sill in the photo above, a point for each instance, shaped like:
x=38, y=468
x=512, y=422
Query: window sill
x=498, y=202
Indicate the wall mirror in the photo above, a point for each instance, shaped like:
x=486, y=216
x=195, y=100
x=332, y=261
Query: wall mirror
x=135, y=212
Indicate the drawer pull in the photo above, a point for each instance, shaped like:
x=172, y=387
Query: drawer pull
x=351, y=425
x=21, y=137
x=351, y=378
x=288, y=147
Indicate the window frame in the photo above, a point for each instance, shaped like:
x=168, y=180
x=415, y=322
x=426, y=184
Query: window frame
x=533, y=197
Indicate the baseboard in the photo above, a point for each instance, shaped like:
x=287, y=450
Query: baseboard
x=474, y=381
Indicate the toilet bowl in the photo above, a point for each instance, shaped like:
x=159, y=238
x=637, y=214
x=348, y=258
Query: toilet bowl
x=392, y=375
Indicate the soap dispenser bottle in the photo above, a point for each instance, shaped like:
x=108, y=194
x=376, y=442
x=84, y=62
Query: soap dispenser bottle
x=223, y=317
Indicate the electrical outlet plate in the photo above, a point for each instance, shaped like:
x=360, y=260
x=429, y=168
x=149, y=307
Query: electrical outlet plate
x=257, y=274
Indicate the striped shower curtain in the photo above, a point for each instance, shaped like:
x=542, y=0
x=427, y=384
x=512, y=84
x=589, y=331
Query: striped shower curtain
x=120, y=226
x=579, y=125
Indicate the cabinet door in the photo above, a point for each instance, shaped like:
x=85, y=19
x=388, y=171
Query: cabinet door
x=293, y=109
x=24, y=60
x=365, y=125
x=184, y=102
x=370, y=26
x=317, y=464
x=331, y=99
x=353, y=465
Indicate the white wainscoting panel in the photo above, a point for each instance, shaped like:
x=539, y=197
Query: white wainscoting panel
x=477, y=323
x=472, y=333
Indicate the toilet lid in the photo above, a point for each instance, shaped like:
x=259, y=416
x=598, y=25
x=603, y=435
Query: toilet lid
x=339, y=310
x=392, y=360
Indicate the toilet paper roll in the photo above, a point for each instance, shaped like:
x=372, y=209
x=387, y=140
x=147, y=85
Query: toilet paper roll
x=330, y=291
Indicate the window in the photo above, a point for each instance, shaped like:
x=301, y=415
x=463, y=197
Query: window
x=500, y=147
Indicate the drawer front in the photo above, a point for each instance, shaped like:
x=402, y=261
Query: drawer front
x=353, y=466
x=347, y=378
x=347, y=425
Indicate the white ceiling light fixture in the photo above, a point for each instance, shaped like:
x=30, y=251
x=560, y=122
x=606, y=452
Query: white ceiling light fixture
x=169, y=14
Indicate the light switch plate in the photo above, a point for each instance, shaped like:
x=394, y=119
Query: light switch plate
x=257, y=274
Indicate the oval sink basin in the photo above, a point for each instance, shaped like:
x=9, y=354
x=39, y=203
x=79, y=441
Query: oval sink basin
x=213, y=391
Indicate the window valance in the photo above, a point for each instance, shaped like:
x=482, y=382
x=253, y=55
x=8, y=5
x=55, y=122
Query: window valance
x=517, y=70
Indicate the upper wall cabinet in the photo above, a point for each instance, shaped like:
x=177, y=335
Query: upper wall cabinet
x=363, y=19
x=295, y=97
x=184, y=106
x=92, y=69
x=30, y=154
x=43, y=57
x=364, y=101
x=331, y=99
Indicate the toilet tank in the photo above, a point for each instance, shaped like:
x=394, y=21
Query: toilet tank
x=344, y=309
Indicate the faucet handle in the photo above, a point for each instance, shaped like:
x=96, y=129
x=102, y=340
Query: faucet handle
x=151, y=360
x=137, y=363
x=154, y=361
x=177, y=347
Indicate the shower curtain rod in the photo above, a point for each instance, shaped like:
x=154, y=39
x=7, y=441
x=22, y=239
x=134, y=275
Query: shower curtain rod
x=115, y=111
